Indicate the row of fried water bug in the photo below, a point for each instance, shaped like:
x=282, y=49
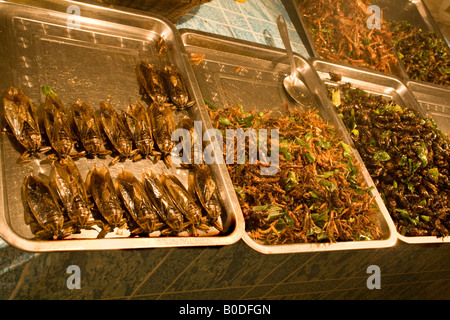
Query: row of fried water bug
x=135, y=125
x=64, y=203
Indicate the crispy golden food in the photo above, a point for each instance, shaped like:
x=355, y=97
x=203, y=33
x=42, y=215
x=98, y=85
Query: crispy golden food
x=407, y=156
x=340, y=34
x=318, y=193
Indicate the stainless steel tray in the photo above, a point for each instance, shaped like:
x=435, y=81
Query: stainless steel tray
x=387, y=86
x=417, y=14
x=91, y=62
x=292, y=7
x=413, y=11
x=235, y=71
x=434, y=100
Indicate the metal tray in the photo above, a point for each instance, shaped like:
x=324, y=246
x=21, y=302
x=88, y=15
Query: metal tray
x=235, y=71
x=387, y=86
x=91, y=62
x=292, y=7
x=413, y=11
x=435, y=100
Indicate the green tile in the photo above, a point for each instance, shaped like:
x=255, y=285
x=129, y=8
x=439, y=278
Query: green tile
x=257, y=292
x=219, y=294
x=103, y=274
x=229, y=266
x=160, y=279
x=290, y=265
x=305, y=287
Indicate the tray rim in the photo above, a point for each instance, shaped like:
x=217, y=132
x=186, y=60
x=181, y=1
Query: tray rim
x=410, y=83
x=14, y=239
x=417, y=107
x=307, y=247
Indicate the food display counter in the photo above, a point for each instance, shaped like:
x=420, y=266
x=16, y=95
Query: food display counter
x=221, y=229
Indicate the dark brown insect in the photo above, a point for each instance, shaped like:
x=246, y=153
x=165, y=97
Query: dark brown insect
x=191, y=151
x=117, y=133
x=66, y=180
x=184, y=201
x=43, y=205
x=143, y=214
x=140, y=126
x=100, y=186
x=335, y=77
x=202, y=184
x=88, y=130
x=163, y=125
x=151, y=82
x=21, y=117
x=162, y=202
x=176, y=87
x=57, y=126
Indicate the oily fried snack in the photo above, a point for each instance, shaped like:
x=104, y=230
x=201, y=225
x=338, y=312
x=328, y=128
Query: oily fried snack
x=318, y=193
x=340, y=33
x=407, y=157
x=424, y=55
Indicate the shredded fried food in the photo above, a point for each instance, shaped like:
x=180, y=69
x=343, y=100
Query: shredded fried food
x=406, y=155
x=318, y=193
x=340, y=34
x=424, y=55
x=196, y=58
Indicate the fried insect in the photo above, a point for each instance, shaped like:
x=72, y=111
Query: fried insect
x=100, y=186
x=163, y=124
x=117, y=133
x=143, y=214
x=22, y=119
x=66, y=180
x=151, y=82
x=163, y=204
x=192, y=151
x=203, y=187
x=162, y=45
x=185, y=203
x=424, y=54
x=139, y=124
x=43, y=204
x=196, y=58
x=88, y=130
x=57, y=125
x=318, y=193
x=407, y=156
x=176, y=87
x=340, y=34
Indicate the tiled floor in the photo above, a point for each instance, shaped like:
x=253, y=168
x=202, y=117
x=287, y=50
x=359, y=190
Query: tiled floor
x=253, y=20
x=232, y=272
